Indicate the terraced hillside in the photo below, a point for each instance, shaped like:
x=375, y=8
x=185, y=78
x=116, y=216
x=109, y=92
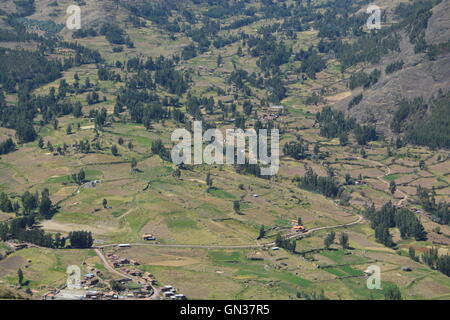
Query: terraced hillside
x=86, y=121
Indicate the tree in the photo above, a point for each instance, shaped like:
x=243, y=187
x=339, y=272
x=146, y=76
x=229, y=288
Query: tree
x=41, y=143
x=59, y=241
x=343, y=240
x=177, y=173
x=79, y=177
x=286, y=244
x=4, y=231
x=158, y=148
x=5, y=203
x=349, y=180
x=20, y=276
x=81, y=239
x=329, y=239
x=443, y=265
x=390, y=216
x=237, y=206
x=422, y=164
x=316, y=149
x=343, y=139
x=248, y=107
x=114, y=150
x=133, y=163
x=295, y=149
x=328, y=186
x=363, y=153
x=130, y=145
x=383, y=236
x=239, y=51
x=45, y=206
x=209, y=180
x=25, y=131
x=117, y=286
x=262, y=232
x=412, y=254
x=29, y=202
x=7, y=146
x=392, y=187
x=77, y=110
x=393, y=293
x=278, y=240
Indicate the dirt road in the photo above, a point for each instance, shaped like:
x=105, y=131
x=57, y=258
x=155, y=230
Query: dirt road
x=381, y=178
x=295, y=235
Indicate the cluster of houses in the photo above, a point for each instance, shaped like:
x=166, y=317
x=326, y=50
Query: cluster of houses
x=272, y=113
x=94, y=295
x=143, y=293
x=64, y=295
x=117, y=261
x=90, y=288
x=90, y=284
x=64, y=51
x=107, y=123
x=421, y=212
x=205, y=69
x=145, y=278
x=91, y=184
x=91, y=279
x=99, y=295
x=15, y=246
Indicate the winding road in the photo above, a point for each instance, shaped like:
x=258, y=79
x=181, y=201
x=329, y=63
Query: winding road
x=387, y=172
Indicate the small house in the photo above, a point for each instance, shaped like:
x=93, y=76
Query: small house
x=407, y=269
x=148, y=237
x=93, y=294
x=368, y=272
x=276, y=109
x=167, y=288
